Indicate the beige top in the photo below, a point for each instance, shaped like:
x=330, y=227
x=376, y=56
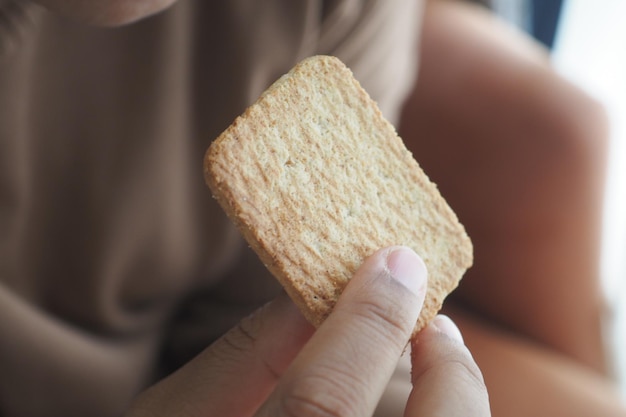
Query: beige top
x=115, y=263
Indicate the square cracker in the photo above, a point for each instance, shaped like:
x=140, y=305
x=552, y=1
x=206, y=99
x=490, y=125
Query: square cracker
x=317, y=180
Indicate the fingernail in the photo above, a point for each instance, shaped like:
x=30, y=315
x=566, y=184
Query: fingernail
x=446, y=326
x=406, y=267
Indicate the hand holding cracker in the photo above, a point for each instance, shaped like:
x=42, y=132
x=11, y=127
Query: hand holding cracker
x=317, y=180
x=274, y=364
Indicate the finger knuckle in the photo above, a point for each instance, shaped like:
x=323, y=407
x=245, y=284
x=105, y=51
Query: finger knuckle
x=465, y=369
x=385, y=317
x=239, y=340
x=244, y=335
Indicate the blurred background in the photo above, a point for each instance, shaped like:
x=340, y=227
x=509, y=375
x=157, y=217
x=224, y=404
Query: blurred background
x=588, y=44
x=590, y=49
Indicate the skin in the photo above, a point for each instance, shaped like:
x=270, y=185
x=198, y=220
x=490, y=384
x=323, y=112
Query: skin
x=519, y=153
x=274, y=363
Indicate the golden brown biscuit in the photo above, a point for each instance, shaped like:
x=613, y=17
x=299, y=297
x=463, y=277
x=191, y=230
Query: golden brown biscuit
x=317, y=180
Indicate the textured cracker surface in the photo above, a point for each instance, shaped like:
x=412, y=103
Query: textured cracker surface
x=317, y=180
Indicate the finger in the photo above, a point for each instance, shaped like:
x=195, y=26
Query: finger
x=344, y=368
x=236, y=374
x=446, y=380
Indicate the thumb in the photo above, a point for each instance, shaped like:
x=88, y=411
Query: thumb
x=446, y=380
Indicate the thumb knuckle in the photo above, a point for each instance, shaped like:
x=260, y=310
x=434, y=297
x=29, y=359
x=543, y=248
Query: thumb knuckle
x=386, y=319
x=316, y=396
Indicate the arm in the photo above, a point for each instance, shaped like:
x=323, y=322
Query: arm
x=519, y=154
